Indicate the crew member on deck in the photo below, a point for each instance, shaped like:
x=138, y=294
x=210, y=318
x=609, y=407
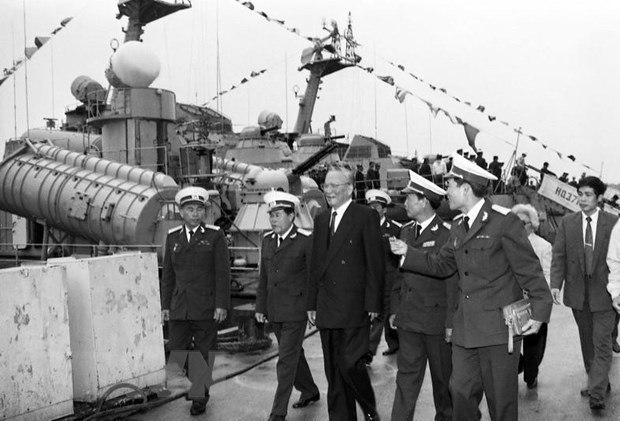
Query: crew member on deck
x=282, y=299
x=379, y=201
x=422, y=307
x=195, y=288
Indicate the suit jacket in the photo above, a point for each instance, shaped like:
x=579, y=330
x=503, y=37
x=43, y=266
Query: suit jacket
x=568, y=262
x=283, y=281
x=495, y=263
x=196, y=275
x=346, y=278
x=422, y=303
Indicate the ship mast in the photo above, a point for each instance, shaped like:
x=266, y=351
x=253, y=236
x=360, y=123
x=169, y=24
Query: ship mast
x=143, y=12
x=312, y=59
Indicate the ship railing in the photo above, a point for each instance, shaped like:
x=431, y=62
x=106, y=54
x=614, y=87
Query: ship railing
x=16, y=252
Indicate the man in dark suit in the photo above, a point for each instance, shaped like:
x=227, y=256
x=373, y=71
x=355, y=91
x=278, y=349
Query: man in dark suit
x=282, y=299
x=496, y=263
x=376, y=184
x=422, y=308
x=360, y=184
x=346, y=289
x=378, y=201
x=425, y=169
x=579, y=263
x=195, y=288
x=495, y=168
x=480, y=161
x=371, y=176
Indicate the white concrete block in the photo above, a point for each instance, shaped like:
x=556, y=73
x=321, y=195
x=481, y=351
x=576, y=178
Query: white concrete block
x=35, y=353
x=115, y=322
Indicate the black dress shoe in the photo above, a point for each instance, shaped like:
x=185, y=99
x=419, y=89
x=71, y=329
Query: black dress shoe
x=198, y=407
x=533, y=384
x=390, y=351
x=585, y=392
x=372, y=417
x=273, y=417
x=302, y=403
x=596, y=403
x=616, y=347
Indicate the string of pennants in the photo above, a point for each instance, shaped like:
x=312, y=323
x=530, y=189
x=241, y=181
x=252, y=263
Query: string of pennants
x=282, y=23
x=252, y=75
x=470, y=131
x=30, y=51
x=400, y=94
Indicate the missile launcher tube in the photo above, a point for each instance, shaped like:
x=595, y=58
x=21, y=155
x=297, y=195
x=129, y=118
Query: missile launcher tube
x=81, y=202
x=103, y=166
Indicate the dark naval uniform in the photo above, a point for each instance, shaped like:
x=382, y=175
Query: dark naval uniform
x=389, y=229
x=423, y=306
x=196, y=281
x=495, y=263
x=283, y=297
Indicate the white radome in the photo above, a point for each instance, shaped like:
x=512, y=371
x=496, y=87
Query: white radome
x=135, y=65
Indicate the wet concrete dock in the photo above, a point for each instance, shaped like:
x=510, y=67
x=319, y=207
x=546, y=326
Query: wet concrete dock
x=248, y=396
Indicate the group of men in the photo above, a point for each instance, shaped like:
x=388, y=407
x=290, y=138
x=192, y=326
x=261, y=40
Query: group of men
x=445, y=301
x=446, y=287
x=372, y=180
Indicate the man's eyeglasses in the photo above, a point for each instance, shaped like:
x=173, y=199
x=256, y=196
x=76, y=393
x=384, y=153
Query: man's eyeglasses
x=332, y=186
x=525, y=222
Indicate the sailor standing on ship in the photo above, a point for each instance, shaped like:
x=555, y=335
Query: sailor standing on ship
x=378, y=201
x=282, y=299
x=195, y=289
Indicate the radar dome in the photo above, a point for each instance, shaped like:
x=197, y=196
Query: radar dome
x=133, y=65
x=85, y=89
x=269, y=120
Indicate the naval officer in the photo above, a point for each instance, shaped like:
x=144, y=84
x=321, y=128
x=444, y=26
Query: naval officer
x=195, y=288
x=282, y=299
x=488, y=246
x=422, y=308
x=379, y=200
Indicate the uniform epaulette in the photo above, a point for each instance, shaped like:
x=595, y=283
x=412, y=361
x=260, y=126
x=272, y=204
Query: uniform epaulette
x=212, y=227
x=304, y=232
x=268, y=233
x=500, y=209
x=175, y=229
x=408, y=224
x=446, y=225
x=398, y=224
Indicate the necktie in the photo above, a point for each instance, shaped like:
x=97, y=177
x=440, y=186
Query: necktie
x=332, y=224
x=332, y=227
x=191, y=234
x=280, y=239
x=466, y=222
x=589, y=247
x=418, y=230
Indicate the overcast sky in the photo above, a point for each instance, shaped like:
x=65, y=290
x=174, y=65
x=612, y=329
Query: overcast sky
x=551, y=67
